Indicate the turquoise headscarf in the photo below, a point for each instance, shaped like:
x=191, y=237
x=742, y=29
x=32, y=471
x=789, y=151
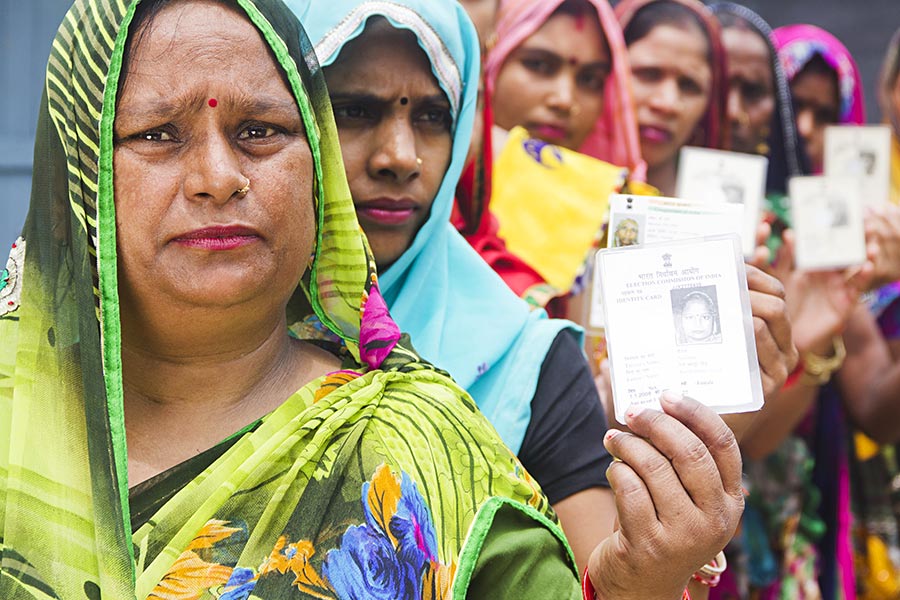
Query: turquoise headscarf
x=460, y=314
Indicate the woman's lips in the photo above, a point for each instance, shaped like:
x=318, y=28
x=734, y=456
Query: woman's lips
x=387, y=211
x=655, y=135
x=219, y=238
x=549, y=133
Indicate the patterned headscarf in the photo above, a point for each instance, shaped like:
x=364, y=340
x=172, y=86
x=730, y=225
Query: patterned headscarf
x=798, y=44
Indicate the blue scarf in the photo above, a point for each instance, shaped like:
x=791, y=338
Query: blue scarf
x=461, y=316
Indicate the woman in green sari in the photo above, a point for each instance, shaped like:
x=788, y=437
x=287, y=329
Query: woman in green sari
x=188, y=211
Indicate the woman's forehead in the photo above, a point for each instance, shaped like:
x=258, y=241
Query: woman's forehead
x=383, y=61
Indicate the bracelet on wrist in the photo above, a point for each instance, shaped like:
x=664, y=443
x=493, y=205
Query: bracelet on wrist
x=795, y=375
x=711, y=573
x=587, y=588
x=817, y=370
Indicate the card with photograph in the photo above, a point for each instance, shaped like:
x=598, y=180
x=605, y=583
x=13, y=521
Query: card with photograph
x=678, y=318
x=827, y=217
x=863, y=152
x=638, y=220
x=717, y=176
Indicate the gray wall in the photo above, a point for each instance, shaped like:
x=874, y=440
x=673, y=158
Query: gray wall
x=865, y=27
x=27, y=28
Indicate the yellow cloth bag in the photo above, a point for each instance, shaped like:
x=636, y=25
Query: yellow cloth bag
x=551, y=204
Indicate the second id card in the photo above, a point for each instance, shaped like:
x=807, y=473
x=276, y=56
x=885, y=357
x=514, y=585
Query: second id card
x=863, y=152
x=827, y=217
x=678, y=318
x=719, y=176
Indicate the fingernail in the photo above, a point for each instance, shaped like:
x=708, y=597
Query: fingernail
x=612, y=433
x=634, y=412
x=671, y=397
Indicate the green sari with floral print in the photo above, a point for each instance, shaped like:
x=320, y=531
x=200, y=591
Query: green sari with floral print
x=381, y=480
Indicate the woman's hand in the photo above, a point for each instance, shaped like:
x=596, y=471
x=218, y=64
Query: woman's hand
x=679, y=498
x=819, y=303
x=883, y=230
x=772, y=328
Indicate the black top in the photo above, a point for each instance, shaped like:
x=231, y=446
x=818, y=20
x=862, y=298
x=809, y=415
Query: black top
x=563, y=445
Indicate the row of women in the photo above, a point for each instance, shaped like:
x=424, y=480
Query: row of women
x=276, y=326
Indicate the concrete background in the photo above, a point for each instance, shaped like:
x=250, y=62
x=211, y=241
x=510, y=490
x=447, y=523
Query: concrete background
x=27, y=28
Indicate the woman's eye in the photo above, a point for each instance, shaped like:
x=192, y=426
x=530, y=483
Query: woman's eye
x=591, y=81
x=754, y=93
x=351, y=112
x=825, y=116
x=257, y=132
x=539, y=65
x=648, y=74
x=437, y=117
x=152, y=135
x=690, y=87
x=156, y=136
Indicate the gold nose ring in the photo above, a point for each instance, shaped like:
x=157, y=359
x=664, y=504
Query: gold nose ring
x=243, y=191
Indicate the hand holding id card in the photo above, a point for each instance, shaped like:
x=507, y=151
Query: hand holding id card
x=678, y=318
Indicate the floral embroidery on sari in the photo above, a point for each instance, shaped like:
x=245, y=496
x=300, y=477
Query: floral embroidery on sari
x=392, y=555
x=190, y=576
x=334, y=381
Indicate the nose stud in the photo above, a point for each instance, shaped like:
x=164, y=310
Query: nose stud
x=243, y=191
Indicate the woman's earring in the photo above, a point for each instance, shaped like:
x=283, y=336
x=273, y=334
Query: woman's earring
x=762, y=148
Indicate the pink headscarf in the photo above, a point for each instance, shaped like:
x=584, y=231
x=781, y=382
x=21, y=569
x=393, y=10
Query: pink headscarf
x=615, y=136
x=798, y=44
x=712, y=130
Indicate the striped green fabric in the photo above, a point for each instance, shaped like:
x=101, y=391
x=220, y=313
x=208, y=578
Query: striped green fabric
x=396, y=457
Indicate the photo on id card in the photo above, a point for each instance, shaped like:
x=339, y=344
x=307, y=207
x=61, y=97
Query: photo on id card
x=638, y=220
x=678, y=318
x=863, y=152
x=827, y=218
x=720, y=176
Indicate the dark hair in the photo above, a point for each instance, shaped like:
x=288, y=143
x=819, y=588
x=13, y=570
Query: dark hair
x=576, y=8
x=663, y=12
x=142, y=22
x=817, y=65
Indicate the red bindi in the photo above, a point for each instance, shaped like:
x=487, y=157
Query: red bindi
x=579, y=22
x=213, y=103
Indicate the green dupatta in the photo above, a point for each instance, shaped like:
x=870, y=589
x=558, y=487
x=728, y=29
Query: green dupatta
x=379, y=481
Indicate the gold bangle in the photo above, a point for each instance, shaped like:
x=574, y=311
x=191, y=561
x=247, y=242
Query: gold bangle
x=818, y=370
